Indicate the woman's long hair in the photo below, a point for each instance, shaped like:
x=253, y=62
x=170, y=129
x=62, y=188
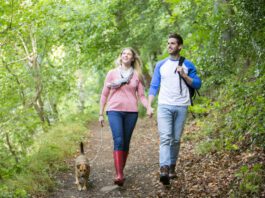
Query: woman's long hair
x=136, y=64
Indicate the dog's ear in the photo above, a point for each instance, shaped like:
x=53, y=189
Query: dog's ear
x=87, y=167
x=78, y=166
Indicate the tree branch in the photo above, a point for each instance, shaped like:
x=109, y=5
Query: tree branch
x=11, y=148
x=22, y=59
x=22, y=95
x=11, y=20
x=24, y=44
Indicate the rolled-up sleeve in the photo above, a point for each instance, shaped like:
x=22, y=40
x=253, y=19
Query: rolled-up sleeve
x=192, y=73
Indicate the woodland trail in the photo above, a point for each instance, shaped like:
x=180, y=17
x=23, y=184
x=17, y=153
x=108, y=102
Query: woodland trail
x=197, y=176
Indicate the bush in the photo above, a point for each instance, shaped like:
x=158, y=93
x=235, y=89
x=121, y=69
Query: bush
x=249, y=181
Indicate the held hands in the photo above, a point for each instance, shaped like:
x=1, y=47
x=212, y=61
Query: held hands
x=150, y=111
x=101, y=120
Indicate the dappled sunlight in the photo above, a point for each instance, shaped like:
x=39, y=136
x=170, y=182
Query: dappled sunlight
x=54, y=56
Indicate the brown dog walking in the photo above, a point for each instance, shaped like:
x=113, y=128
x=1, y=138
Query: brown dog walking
x=82, y=170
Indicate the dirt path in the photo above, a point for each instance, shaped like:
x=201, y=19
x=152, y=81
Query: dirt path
x=197, y=176
x=140, y=171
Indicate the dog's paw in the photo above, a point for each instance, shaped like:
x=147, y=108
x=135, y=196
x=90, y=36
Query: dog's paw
x=84, y=188
x=79, y=188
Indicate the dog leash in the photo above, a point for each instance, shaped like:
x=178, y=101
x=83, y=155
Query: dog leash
x=100, y=147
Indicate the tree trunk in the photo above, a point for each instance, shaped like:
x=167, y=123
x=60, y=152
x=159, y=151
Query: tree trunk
x=21, y=91
x=11, y=149
x=81, y=91
x=35, y=68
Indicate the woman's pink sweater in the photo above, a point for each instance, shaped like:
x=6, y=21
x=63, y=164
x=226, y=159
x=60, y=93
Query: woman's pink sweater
x=124, y=98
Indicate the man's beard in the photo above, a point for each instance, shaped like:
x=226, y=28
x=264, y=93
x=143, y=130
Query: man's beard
x=175, y=52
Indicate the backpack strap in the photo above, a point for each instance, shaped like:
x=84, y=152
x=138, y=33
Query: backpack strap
x=181, y=60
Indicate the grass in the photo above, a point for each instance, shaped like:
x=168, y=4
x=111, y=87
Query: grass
x=47, y=158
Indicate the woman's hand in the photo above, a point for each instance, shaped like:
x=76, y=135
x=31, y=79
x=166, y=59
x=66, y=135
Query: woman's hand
x=150, y=111
x=101, y=120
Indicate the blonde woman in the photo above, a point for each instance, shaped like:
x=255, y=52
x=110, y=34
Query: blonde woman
x=122, y=89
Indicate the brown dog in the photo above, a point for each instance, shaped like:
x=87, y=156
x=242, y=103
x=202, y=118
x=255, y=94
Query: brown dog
x=82, y=170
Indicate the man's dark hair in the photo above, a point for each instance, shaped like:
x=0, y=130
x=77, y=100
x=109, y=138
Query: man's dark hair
x=177, y=37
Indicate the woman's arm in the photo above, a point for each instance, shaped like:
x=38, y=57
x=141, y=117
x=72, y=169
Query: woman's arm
x=103, y=99
x=141, y=94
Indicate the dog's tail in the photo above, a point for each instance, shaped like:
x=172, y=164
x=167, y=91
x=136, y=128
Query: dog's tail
x=82, y=148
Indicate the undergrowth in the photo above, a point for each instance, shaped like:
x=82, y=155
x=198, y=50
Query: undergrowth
x=47, y=157
x=233, y=122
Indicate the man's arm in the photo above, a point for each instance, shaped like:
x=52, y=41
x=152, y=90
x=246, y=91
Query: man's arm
x=154, y=87
x=192, y=79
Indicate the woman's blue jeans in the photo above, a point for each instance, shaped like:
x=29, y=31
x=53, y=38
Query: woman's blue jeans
x=122, y=125
x=171, y=120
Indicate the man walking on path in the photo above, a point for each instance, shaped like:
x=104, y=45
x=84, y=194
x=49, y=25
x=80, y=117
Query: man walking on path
x=173, y=102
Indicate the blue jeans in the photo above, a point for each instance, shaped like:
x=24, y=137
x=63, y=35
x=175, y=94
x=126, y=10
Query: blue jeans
x=122, y=125
x=171, y=120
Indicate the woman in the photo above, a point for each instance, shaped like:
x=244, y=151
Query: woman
x=122, y=88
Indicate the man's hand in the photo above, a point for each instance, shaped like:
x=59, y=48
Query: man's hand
x=150, y=111
x=180, y=70
x=101, y=120
x=188, y=79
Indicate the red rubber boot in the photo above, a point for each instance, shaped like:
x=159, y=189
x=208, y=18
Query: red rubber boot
x=125, y=155
x=119, y=164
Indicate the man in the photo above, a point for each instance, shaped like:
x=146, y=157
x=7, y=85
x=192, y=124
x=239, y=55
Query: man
x=173, y=102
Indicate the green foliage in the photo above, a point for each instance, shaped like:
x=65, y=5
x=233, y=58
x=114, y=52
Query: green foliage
x=237, y=123
x=209, y=146
x=249, y=181
x=18, y=193
x=245, y=118
x=202, y=105
x=54, y=56
x=45, y=159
